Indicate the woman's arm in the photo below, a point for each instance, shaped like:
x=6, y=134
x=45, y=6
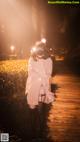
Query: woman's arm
x=36, y=67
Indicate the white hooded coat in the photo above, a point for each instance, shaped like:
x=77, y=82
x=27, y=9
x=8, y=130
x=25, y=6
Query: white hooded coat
x=37, y=83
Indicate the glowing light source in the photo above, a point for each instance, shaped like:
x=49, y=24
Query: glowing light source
x=50, y=49
x=43, y=40
x=33, y=50
x=36, y=50
x=12, y=47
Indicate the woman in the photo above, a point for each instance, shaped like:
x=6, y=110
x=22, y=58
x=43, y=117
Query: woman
x=39, y=71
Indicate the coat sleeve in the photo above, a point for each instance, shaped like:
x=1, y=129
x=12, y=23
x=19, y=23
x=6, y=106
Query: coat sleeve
x=36, y=67
x=49, y=67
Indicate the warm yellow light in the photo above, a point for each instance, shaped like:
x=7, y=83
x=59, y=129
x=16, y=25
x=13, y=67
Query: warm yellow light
x=12, y=48
x=50, y=49
x=33, y=50
x=15, y=17
x=43, y=40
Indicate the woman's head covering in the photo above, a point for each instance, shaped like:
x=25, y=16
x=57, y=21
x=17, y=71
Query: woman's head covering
x=40, y=50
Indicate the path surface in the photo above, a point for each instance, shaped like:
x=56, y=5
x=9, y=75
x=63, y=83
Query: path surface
x=64, y=116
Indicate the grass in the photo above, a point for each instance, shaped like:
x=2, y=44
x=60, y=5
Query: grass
x=13, y=75
x=13, y=66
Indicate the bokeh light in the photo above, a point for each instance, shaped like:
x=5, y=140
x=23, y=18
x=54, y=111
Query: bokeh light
x=43, y=40
x=12, y=47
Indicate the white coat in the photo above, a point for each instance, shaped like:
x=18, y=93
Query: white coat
x=37, y=83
